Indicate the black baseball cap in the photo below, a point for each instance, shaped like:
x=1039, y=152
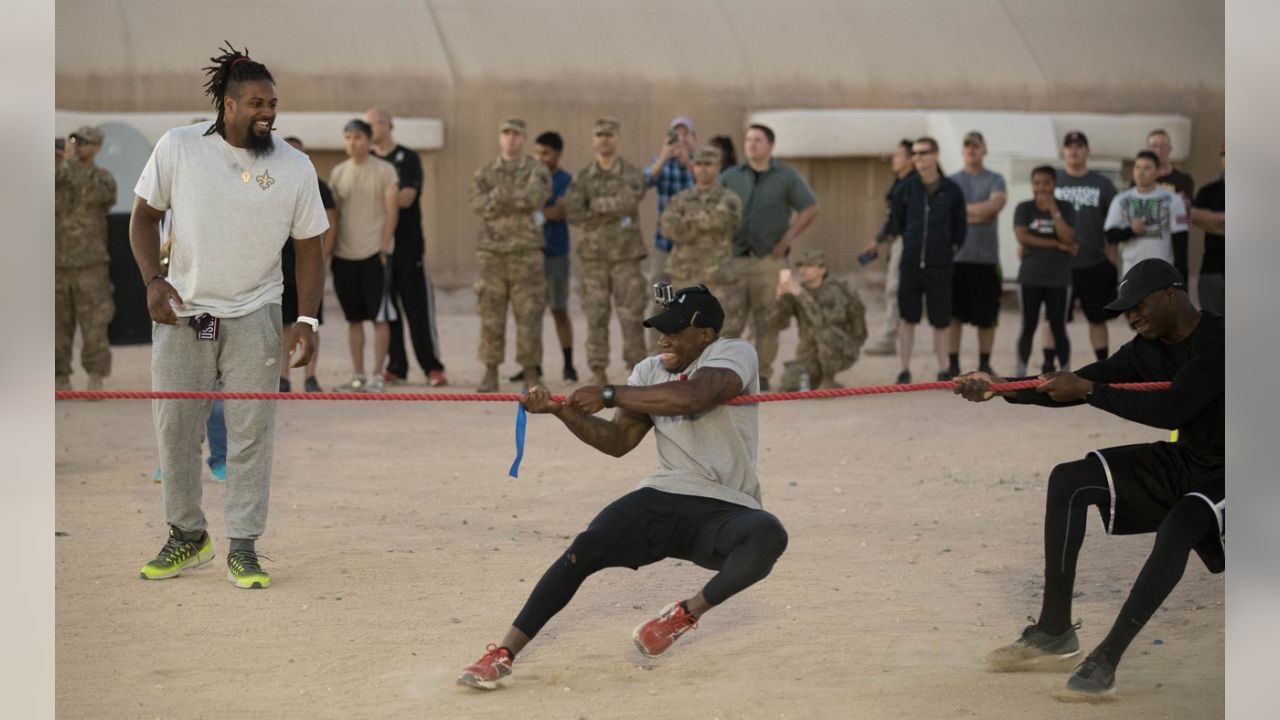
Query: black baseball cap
x=691, y=307
x=1150, y=275
x=1075, y=137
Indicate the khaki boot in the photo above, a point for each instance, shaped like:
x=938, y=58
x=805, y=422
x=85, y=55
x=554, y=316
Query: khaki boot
x=95, y=382
x=532, y=377
x=829, y=383
x=490, y=382
x=598, y=377
x=62, y=383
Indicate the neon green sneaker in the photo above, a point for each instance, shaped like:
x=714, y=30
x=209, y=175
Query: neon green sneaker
x=178, y=555
x=243, y=570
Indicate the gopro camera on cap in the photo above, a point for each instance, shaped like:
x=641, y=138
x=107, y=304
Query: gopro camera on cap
x=663, y=293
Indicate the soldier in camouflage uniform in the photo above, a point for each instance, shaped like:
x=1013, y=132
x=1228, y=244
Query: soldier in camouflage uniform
x=604, y=202
x=832, y=320
x=83, y=194
x=700, y=221
x=506, y=193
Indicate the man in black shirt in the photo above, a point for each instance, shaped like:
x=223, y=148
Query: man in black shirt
x=410, y=283
x=887, y=341
x=1175, y=490
x=1208, y=213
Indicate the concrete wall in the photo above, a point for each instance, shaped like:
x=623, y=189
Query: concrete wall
x=559, y=64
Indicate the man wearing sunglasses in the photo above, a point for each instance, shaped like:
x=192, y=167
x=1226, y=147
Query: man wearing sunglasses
x=701, y=505
x=83, y=194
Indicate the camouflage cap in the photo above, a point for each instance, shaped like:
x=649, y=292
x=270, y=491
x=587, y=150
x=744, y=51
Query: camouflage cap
x=707, y=154
x=88, y=133
x=512, y=123
x=813, y=257
x=606, y=126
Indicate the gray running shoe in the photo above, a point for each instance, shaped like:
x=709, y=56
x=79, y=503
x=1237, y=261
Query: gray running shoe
x=1094, y=680
x=1035, y=650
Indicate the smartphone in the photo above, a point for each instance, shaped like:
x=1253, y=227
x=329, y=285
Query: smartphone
x=866, y=257
x=784, y=276
x=673, y=137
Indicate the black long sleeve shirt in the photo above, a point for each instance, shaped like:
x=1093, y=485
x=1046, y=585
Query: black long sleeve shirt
x=1194, y=405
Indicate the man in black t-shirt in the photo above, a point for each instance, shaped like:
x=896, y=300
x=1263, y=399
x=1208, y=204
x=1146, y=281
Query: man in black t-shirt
x=411, y=285
x=1208, y=213
x=1174, y=489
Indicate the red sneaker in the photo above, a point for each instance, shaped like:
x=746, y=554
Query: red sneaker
x=489, y=671
x=655, y=636
x=436, y=378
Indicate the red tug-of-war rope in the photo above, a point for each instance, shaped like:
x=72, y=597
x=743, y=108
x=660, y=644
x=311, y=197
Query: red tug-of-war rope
x=513, y=397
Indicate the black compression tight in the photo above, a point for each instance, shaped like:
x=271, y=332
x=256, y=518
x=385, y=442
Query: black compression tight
x=1054, y=300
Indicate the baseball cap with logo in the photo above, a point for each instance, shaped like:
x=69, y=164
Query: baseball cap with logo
x=1150, y=275
x=87, y=134
x=679, y=120
x=973, y=137
x=691, y=307
x=606, y=126
x=512, y=123
x=1075, y=137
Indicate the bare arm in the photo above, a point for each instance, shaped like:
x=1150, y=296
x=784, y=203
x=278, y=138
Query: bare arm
x=1209, y=220
x=331, y=235
x=144, y=240
x=987, y=210
x=615, y=437
x=1066, y=233
x=406, y=196
x=392, y=207
x=1026, y=239
x=802, y=221
x=704, y=390
x=555, y=211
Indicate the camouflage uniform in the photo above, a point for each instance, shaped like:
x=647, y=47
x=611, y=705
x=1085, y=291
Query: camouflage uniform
x=605, y=204
x=82, y=284
x=833, y=327
x=700, y=222
x=505, y=194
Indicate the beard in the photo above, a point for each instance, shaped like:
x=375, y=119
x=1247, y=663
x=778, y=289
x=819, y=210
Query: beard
x=258, y=145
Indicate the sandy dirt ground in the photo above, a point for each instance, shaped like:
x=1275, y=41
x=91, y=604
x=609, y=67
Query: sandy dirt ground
x=400, y=548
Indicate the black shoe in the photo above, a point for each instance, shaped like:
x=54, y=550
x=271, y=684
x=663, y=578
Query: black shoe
x=764, y=384
x=1047, y=368
x=1034, y=650
x=948, y=375
x=904, y=378
x=1094, y=680
x=312, y=385
x=284, y=385
x=987, y=369
x=570, y=374
x=519, y=377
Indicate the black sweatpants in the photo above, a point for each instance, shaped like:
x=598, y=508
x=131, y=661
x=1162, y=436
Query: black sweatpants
x=1054, y=300
x=648, y=525
x=412, y=292
x=1136, y=488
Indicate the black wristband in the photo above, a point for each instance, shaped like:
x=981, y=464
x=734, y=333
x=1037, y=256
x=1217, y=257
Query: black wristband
x=158, y=276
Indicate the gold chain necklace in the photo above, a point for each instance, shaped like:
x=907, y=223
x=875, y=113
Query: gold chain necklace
x=245, y=175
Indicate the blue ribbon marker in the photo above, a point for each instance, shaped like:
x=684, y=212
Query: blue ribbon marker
x=521, y=421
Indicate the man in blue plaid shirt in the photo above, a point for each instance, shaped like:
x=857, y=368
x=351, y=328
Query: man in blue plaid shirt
x=671, y=172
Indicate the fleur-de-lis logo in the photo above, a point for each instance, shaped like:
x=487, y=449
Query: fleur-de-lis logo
x=265, y=180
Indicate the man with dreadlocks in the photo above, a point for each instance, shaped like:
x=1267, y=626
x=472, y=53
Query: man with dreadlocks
x=236, y=195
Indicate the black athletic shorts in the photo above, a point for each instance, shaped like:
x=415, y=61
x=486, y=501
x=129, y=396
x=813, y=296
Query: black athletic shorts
x=1146, y=481
x=1094, y=287
x=289, y=300
x=362, y=287
x=935, y=285
x=651, y=525
x=975, y=294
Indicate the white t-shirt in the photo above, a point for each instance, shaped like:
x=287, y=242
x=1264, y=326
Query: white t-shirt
x=713, y=454
x=1164, y=214
x=227, y=233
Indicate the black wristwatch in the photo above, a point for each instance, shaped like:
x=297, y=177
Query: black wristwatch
x=607, y=394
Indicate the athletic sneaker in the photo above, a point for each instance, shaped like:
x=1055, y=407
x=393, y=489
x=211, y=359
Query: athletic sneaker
x=570, y=374
x=1036, y=649
x=243, y=570
x=219, y=472
x=376, y=384
x=285, y=385
x=390, y=378
x=904, y=378
x=655, y=636
x=490, y=671
x=178, y=555
x=312, y=385
x=356, y=384
x=436, y=378
x=1094, y=680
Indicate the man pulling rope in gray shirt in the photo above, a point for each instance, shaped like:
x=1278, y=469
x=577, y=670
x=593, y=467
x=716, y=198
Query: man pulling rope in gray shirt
x=702, y=504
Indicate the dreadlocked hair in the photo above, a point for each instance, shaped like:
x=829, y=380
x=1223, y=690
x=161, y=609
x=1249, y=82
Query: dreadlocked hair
x=231, y=67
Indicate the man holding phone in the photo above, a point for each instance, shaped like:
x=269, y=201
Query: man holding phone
x=670, y=172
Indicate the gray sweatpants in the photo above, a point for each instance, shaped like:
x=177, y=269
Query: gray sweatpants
x=889, y=332
x=246, y=358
